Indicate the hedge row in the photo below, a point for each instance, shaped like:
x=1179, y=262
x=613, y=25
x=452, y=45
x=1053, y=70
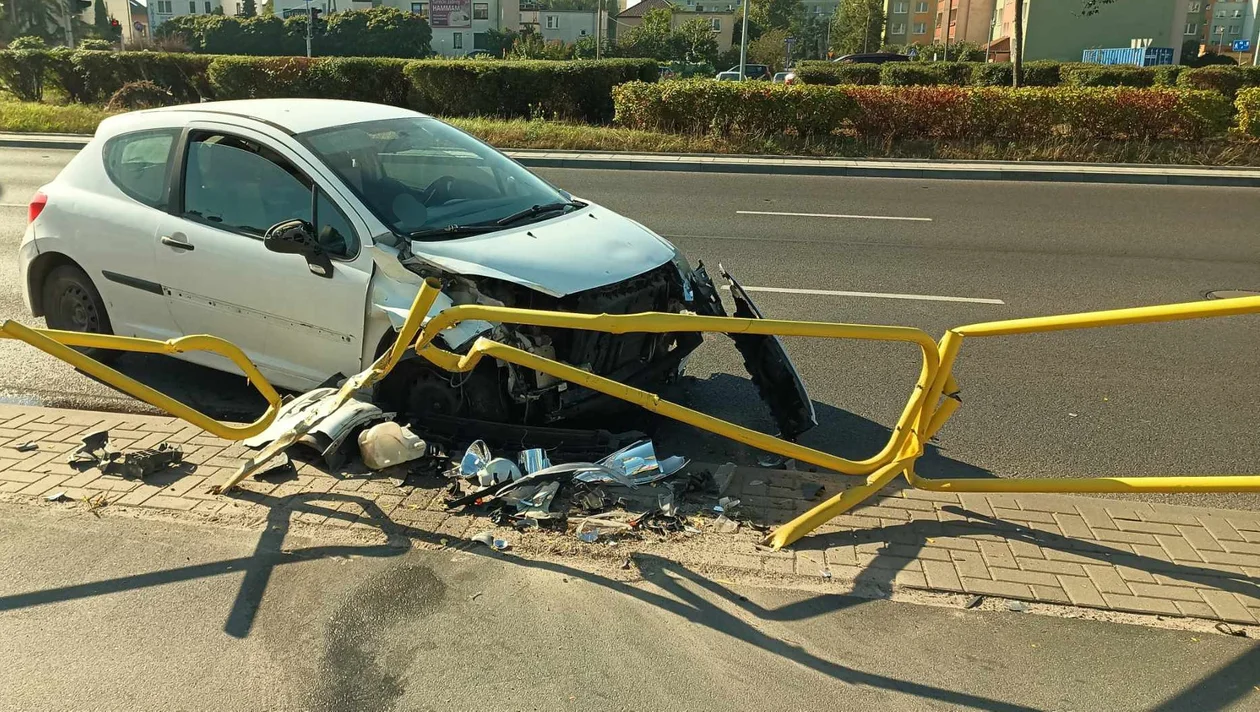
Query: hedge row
x=1225, y=79
x=927, y=112
x=1248, y=105
x=580, y=90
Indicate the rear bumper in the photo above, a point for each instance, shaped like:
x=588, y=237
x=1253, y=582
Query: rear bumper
x=27, y=252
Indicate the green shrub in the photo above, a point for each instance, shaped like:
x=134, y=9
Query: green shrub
x=373, y=32
x=1041, y=73
x=1103, y=75
x=139, y=95
x=726, y=108
x=833, y=73
x=262, y=77
x=1166, y=75
x=994, y=74
x=96, y=43
x=923, y=112
x=579, y=89
x=22, y=72
x=906, y=74
x=1248, y=106
x=93, y=76
x=1222, y=78
x=28, y=42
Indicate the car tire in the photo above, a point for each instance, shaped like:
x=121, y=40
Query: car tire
x=71, y=303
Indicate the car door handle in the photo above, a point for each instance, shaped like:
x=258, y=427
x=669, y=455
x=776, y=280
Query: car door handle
x=177, y=244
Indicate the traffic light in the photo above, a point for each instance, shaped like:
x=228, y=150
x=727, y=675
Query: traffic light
x=115, y=28
x=81, y=6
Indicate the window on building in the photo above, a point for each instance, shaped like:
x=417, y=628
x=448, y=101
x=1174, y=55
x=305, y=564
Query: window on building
x=921, y=6
x=898, y=29
x=479, y=40
x=1220, y=13
x=1195, y=7
x=1192, y=28
x=481, y=11
x=1235, y=29
x=192, y=7
x=553, y=22
x=418, y=8
x=716, y=24
x=920, y=28
x=207, y=7
x=1218, y=29
x=164, y=6
x=457, y=40
x=899, y=8
x=1237, y=13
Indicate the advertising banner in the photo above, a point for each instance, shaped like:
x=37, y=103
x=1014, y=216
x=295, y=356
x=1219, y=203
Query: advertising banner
x=450, y=13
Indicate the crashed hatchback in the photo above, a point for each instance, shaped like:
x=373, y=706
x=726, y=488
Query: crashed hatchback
x=301, y=229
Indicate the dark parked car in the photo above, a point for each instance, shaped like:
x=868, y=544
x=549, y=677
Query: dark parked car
x=873, y=58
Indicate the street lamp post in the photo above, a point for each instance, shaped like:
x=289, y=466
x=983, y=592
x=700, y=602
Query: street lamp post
x=866, y=31
x=310, y=22
x=743, y=44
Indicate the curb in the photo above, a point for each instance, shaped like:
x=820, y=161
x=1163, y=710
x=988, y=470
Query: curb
x=1128, y=174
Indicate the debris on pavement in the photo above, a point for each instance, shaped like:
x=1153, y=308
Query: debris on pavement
x=1228, y=629
x=59, y=497
x=93, y=452
x=722, y=477
x=27, y=446
x=973, y=602
x=279, y=465
x=723, y=525
x=140, y=464
x=387, y=444
x=1016, y=606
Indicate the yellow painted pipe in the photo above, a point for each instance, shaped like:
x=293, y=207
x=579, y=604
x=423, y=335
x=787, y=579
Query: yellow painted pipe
x=58, y=344
x=1116, y=317
x=1088, y=485
x=788, y=533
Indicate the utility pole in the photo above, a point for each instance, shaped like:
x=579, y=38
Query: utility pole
x=866, y=33
x=743, y=45
x=65, y=12
x=599, y=11
x=310, y=24
x=947, y=15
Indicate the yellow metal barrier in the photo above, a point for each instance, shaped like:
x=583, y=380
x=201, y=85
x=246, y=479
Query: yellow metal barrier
x=929, y=407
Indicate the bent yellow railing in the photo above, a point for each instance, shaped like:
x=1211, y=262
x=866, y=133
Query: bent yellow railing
x=933, y=400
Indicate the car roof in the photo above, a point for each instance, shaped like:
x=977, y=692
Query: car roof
x=292, y=115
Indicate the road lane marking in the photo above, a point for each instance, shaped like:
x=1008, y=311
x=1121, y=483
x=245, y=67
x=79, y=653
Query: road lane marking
x=872, y=295
x=832, y=215
x=14, y=205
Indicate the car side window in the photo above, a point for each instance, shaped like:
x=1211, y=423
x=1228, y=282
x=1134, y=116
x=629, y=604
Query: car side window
x=139, y=163
x=243, y=186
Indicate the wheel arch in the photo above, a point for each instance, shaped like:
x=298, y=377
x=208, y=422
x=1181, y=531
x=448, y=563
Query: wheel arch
x=40, y=268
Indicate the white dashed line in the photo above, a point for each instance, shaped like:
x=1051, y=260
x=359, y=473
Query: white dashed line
x=873, y=295
x=832, y=215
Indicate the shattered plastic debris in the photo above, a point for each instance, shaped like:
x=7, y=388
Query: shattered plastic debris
x=770, y=461
x=489, y=540
x=58, y=497
x=533, y=460
x=636, y=463
x=588, y=537
x=475, y=458
x=538, y=506
x=726, y=504
x=723, y=525
x=498, y=470
x=722, y=477
x=141, y=464
x=94, y=450
x=276, y=466
x=27, y=446
x=1017, y=606
x=974, y=601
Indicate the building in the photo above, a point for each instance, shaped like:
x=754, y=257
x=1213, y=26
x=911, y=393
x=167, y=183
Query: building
x=460, y=26
x=719, y=15
x=1217, y=25
x=909, y=22
x=1054, y=29
x=162, y=10
x=969, y=21
x=565, y=26
x=132, y=16
x=289, y=8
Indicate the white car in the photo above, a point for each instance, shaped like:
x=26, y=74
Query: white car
x=300, y=230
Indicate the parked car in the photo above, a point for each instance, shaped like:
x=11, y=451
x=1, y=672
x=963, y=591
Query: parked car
x=181, y=220
x=873, y=58
x=784, y=78
x=481, y=54
x=751, y=71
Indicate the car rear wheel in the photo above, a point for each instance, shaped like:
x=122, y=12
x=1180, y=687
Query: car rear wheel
x=71, y=303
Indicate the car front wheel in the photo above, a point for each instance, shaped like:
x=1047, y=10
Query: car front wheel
x=71, y=303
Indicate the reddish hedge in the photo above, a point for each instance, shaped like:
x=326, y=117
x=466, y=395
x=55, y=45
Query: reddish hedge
x=943, y=112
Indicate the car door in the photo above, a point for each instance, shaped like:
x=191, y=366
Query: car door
x=299, y=327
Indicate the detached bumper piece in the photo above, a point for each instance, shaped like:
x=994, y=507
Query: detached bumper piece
x=772, y=371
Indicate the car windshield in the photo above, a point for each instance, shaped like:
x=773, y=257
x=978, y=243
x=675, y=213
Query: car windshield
x=425, y=178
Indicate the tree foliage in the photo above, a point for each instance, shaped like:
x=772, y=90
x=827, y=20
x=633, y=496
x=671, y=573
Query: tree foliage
x=857, y=26
x=769, y=49
x=652, y=37
x=375, y=32
x=694, y=38
x=249, y=8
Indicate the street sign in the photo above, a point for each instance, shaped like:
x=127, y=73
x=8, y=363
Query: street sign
x=1242, y=45
x=790, y=42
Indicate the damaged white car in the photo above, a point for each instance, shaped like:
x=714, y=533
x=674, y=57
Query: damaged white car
x=301, y=229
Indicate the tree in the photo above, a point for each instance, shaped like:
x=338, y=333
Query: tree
x=768, y=49
x=100, y=18
x=857, y=26
x=810, y=32
x=249, y=8
x=775, y=14
x=498, y=42
x=696, y=41
x=39, y=18
x=652, y=37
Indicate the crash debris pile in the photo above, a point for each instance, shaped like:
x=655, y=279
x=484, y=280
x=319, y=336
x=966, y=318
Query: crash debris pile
x=96, y=452
x=630, y=491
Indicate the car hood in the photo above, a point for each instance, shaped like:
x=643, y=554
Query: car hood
x=582, y=250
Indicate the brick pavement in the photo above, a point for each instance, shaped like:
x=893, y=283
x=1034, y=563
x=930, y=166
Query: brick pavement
x=1074, y=550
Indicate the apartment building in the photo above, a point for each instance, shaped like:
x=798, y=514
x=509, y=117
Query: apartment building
x=567, y=26
x=162, y=10
x=1217, y=25
x=910, y=21
x=460, y=26
x=720, y=14
x=968, y=21
x=1054, y=29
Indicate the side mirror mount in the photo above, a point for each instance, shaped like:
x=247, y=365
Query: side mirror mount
x=297, y=237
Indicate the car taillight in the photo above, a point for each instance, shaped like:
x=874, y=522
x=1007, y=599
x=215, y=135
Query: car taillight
x=38, y=201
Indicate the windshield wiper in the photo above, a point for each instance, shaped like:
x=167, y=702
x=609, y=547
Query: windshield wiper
x=539, y=210
x=451, y=231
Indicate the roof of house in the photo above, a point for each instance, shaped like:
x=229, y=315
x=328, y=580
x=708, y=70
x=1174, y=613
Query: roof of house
x=640, y=9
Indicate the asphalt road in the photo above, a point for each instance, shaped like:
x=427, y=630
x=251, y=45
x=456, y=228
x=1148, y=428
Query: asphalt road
x=115, y=614
x=1142, y=400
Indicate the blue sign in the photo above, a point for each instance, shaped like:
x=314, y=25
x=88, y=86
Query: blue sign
x=1242, y=45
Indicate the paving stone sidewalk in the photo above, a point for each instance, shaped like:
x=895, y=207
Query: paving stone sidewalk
x=1073, y=550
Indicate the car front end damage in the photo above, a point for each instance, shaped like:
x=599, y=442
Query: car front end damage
x=507, y=393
